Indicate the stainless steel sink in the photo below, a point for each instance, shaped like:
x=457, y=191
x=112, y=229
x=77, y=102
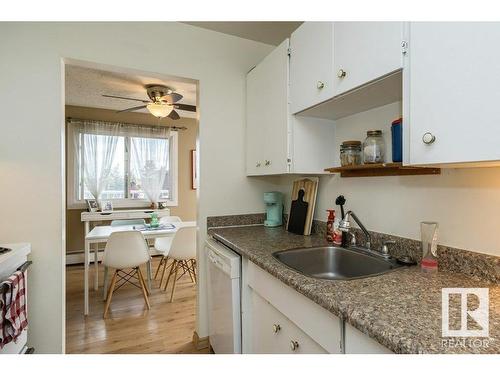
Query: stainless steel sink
x=335, y=263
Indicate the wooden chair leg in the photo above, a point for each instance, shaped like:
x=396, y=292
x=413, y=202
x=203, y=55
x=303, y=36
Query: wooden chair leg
x=110, y=294
x=149, y=273
x=165, y=266
x=184, y=268
x=140, y=277
x=173, y=267
x=159, y=266
x=143, y=287
x=173, y=285
x=193, y=268
x=105, y=287
x=190, y=271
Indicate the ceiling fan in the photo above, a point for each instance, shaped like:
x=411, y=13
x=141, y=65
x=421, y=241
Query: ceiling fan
x=162, y=103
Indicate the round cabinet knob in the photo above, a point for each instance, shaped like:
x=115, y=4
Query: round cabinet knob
x=341, y=73
x=428, y=138
x=258, y=164
x=276, y=328
x=267, y=162
x=294, y=345
x=320, y=85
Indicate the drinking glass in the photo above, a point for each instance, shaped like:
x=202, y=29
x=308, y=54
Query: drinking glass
x=429, y=234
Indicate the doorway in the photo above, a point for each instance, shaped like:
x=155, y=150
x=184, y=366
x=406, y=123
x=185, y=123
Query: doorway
x=95, y=107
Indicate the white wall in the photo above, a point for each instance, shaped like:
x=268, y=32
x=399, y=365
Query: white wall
x=465, y=202
x=31, y=134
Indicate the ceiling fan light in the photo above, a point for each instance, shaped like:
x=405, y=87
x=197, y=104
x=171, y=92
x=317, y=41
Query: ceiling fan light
x=159, y=110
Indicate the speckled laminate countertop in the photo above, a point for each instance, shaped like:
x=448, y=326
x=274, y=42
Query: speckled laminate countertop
x=400, y=309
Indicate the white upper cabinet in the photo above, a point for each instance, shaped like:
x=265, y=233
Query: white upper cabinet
x=365, y=51
x=267, y=114
x=311, y=65
x=276, y=142
x=452, y=93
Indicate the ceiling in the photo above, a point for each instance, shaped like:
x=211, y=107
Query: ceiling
x=85, y=86
x=265, y=32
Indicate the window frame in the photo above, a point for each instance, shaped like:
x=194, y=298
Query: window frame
x=73, y=175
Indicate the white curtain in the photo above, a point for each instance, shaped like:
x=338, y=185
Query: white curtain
x=97, y=142
x=150, y=163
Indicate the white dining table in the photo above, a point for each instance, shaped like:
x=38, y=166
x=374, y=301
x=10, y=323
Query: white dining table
x=100, y=234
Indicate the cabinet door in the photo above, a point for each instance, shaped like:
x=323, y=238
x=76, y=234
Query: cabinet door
x=267, y=114
x=267, y=328
x=311, y=65
x=314, y=328
x=452, y=92
x=274, y=333
x=365, y=51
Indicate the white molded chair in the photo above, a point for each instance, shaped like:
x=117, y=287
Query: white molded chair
x=117, y=223
x=126, y=250
x=183, y=254
x=162, y=246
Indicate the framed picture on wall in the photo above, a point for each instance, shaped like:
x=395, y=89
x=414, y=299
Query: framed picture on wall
x=194, y=175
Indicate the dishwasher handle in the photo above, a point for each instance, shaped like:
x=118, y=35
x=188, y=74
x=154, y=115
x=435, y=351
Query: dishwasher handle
x=214, y=258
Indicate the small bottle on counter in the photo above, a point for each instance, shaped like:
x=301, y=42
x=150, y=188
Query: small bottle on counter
x=329, y=225
x=337, y=233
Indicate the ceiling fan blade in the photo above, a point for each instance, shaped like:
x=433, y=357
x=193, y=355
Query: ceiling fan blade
x=122, y=97
x=172, y=98
x=132, y=109
x=174, y=115
x=185, y=107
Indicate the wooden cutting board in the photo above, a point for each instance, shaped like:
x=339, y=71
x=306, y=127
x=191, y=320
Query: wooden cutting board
x=302, y=207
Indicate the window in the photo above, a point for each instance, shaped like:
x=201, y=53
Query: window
x=126, y=164
x=115, y=188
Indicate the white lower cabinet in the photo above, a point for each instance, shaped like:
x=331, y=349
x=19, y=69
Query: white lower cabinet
x=273, y=332
x=276, y=319
x=304, y=326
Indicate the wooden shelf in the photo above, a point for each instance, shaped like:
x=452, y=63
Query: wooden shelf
x=386, y=169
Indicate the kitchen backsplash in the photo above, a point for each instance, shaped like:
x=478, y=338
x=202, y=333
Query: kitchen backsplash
x=232, y=220
x=483, y=266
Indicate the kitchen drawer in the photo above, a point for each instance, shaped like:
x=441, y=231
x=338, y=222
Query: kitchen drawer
x=274, y=333
x=314, y=321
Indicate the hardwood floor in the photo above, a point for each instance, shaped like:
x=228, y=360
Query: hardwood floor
x=130, y=327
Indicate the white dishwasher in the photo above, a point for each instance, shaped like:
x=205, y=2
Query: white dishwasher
x=224, y=298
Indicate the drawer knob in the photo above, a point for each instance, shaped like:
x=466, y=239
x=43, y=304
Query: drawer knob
x=276, y=328
x=341, y=73
x=294, y=345
x=428, y=138
x=320, y=85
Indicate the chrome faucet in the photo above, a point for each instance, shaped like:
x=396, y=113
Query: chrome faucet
x=345, y=226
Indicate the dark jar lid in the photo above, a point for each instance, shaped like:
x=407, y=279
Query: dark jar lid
x=371, y=133
x=351, y=144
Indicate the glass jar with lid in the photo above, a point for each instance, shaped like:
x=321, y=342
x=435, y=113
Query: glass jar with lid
x=350, y=153
x=374, y=147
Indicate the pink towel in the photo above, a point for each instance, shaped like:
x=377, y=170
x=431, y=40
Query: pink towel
x=13, y=314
